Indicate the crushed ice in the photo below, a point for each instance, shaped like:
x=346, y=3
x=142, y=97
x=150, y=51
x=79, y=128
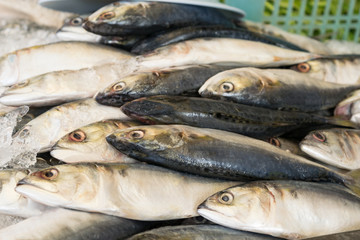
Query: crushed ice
x=19, y=151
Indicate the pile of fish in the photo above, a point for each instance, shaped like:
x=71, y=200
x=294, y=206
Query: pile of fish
x=179, y=120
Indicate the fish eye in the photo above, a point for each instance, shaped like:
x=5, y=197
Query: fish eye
x=319, y=136
x=119, y=86
x=106, y=15
x=227, y=87
x=137, y=134
x=226, y=198
x=303, y=67
x=76, y=21
x=23, y=133
x=49, y=174
x=275, y=142
x=77, y=136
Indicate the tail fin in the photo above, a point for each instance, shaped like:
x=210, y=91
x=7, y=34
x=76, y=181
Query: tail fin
x=353, y=182
x=342, y=122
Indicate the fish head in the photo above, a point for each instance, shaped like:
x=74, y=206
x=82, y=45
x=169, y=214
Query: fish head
x=142, y=139
x=9, y=70
x=72, y=30
x=150, y=110
x=114, y=16
x=87, y=143
x=329, y=145
x=61, y=185
x=349, y=107
x=242, y=83
x=315, y=68
x=125, y=90
x=237, y=206
x=8, y=181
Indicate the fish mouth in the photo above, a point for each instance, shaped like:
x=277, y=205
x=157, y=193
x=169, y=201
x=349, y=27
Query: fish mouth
x=113, y=99
x=122, y=146
x=23, y=182
x=106, y=29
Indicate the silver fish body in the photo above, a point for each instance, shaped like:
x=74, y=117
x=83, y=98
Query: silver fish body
x=134, y=191
x=29, y=62
x=46, y=129
x=222, y=50
x=60, y=224
x=286, y=209
x=198, y=232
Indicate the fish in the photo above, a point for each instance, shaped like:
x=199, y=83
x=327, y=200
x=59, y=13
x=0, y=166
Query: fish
x=134, y=191
x=219, y=154
x=88, y=144
x=59, y=87
x=182, y=34
x=279, y=89
x=173, y=81
x=198, y=232
x=222, y=50
x=335, y=146
x=11, y=202
x=349, y=108
x=60, y=224
x=343, y=47
x=46, y=129
x=131, y=18
x=29, y=62
x=224, y=115
x=308, y=43
x=342, y=69
x=286, y=209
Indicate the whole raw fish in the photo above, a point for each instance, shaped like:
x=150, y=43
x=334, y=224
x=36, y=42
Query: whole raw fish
x=29, y=62
x=219, y=154
x=280, y=89
x=135, y=191
x=128, y=18
x=222, y=50
x=286, y=209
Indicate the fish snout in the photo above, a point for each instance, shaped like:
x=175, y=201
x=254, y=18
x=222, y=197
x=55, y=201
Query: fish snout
x=21, y=182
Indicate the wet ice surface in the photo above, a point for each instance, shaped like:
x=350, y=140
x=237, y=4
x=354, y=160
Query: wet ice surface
x=20, y=34
x=19, y=151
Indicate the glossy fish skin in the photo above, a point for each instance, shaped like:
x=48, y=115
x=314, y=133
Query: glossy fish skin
x=222, y=51
x=173, y=81
x=61, y=224
x=338, y=147
x=201, y=112
x=287, y=209
x=218, y=154
x=134, y=191
x=11, y=202
x=289, y=145
x=126, y=18
x=342, y=69
x=88, y=144
x=276, y=89
x=58, y=87
x=46, y=129
x=349, y=108
x=198, y=232
x=24, y=63
x=187, y=33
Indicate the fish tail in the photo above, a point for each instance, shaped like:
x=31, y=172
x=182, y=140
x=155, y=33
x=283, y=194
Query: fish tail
x=342, y=122
x=353, y=181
